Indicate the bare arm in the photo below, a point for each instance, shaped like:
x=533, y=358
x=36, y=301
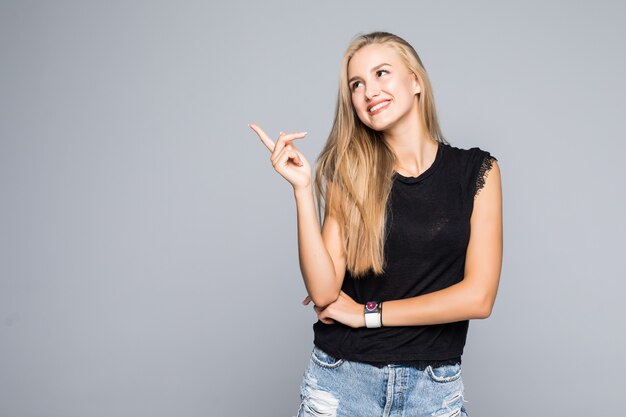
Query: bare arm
x=322, y=261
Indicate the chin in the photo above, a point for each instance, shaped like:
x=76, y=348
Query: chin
x=378, y=126
x=381, y=126
x=373, y=127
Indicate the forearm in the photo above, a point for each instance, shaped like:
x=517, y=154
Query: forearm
x=455, y=303
x=316, y=265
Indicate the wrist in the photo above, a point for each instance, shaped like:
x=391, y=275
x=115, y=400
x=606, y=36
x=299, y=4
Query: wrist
x=361, y=315
x=372, y=314
x=305, y=191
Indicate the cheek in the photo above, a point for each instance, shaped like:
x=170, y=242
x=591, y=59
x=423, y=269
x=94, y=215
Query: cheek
x=358, y=103
x=404, y=89
x=359, y=106
x=394, y=86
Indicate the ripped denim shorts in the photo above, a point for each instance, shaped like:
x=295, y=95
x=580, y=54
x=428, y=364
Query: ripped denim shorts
x=340, y=388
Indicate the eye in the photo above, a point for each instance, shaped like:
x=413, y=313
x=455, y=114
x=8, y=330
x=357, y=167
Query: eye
x=356, y=83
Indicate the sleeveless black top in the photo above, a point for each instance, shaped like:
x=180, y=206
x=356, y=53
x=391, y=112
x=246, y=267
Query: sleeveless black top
x=428, y=230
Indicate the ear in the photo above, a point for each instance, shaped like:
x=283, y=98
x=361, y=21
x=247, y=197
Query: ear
x=417, y=88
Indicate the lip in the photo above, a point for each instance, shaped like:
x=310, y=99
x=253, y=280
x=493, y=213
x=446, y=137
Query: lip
x=377, y=103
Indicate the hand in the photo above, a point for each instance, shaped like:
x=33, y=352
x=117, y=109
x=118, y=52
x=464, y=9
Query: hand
x=286, y=159
x=344, y=310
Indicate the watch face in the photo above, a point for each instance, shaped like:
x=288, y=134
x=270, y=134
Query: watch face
x=371, y=306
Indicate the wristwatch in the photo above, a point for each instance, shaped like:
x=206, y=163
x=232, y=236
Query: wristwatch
x=373, y=314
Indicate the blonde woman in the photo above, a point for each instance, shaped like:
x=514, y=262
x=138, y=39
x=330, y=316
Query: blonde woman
x=411, y=244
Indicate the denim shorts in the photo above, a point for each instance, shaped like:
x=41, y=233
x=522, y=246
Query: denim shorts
x=340, y=388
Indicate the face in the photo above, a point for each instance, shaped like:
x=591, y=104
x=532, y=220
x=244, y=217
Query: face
x=383, y=89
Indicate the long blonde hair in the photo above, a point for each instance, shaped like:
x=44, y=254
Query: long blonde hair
x=355, y=169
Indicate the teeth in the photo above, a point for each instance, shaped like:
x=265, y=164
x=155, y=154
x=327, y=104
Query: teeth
x=378, y=106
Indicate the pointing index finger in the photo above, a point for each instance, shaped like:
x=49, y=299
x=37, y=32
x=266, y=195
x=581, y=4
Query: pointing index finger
x=267, y=141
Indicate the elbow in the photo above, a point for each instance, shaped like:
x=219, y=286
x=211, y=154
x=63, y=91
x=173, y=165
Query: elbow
x=484, y=312
x=324, y=295
x=324, y=300
x=484, y=308
x=480, y=303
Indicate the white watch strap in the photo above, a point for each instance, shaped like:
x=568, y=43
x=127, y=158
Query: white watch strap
x=372, y=320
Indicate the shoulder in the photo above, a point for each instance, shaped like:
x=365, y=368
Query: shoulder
x=469, y=155
x=472, y=165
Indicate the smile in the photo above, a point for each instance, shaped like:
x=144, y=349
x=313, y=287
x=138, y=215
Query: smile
x=379, y=107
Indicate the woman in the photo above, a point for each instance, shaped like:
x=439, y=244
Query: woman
x=394, y=274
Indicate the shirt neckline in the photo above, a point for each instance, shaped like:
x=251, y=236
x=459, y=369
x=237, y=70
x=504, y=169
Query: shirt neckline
x=425, y=174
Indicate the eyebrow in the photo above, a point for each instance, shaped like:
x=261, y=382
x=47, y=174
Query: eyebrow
x=373, y=69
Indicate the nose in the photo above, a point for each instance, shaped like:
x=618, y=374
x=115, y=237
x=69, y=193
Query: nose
x=371, y=90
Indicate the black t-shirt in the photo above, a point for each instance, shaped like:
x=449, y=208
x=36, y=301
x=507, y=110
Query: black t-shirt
x=428, y=230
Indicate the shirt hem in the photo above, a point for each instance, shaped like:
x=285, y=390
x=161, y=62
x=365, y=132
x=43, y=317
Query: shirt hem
x=373, y=358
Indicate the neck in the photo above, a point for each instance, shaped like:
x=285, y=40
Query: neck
x=412, y=144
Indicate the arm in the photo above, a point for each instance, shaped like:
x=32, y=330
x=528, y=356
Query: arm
x=322, y=260
x=472, y=298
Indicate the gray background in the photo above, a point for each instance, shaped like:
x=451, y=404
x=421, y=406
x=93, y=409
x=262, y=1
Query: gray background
x=148, y=258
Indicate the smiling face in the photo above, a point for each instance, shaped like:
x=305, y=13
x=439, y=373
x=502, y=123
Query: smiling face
x=383, y=89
